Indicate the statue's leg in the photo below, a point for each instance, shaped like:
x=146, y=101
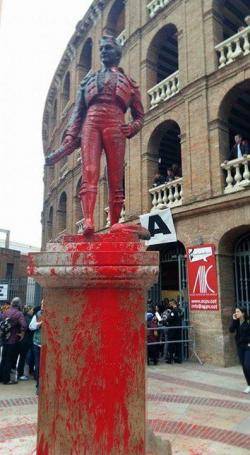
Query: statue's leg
x=114, y=144
x=91, y=149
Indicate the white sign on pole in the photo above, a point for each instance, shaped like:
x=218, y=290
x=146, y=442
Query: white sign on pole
x=160, y=225
x=3, y=291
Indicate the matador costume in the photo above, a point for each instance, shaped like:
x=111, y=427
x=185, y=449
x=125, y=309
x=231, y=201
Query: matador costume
x=102, y=101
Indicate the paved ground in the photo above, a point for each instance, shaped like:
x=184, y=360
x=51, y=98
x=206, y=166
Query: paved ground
x=201, y=409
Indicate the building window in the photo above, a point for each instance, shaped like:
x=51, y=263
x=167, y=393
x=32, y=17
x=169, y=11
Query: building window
x=9, y=270
x=50, y=224
x=54, y=116
x=66, y=90
x=242, y=271
x=116, y=19
x=232, y=15
x=62, y=212
x=165, y=146
x=162, y=65
x=85, y=61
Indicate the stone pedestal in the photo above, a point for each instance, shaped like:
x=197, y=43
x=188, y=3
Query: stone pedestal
x=92, y=389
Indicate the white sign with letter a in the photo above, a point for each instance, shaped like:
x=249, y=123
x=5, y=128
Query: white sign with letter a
x=160, y=225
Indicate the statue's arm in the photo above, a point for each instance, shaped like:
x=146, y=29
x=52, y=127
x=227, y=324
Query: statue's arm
x=71, y=139
x=137, y=111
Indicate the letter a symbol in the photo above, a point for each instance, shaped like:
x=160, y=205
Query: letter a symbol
x=161, y=228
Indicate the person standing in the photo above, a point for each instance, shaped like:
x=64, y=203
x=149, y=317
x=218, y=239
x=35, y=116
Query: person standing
x=18, y=325
x=239, y=148
x=152, y=338
x=25, y=344
x=35, y=326
x=241, y=327
x=174, y=333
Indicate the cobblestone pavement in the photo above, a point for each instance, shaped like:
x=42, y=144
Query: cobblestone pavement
x=200, y=409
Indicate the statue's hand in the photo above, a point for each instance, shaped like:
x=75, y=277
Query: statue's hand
x=127, y=130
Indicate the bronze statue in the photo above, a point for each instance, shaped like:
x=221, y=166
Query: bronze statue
x=97, y=123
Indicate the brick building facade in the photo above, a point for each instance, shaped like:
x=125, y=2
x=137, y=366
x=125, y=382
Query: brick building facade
x=191, y=59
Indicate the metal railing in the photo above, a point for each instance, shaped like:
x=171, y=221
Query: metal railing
x=185, y=341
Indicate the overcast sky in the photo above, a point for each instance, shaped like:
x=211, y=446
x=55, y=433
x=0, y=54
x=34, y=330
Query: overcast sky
x=33, y=36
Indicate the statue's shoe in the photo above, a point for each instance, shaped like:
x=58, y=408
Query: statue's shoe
x=88, y=228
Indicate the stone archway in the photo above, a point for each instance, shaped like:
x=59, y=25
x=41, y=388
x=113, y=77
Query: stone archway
x=227, y=284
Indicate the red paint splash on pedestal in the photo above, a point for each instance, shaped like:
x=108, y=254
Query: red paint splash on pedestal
x=92, y=396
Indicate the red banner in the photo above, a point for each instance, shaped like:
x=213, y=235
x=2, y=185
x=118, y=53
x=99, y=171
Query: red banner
x=202, y=278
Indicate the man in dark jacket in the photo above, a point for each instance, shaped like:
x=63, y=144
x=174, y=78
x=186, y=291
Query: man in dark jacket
x=239, y=149
x=10, y=345
x=174, y=334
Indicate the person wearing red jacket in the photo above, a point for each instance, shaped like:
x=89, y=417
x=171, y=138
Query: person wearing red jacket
x=98, y=118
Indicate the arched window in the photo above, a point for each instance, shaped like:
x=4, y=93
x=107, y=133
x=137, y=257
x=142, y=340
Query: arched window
x=164, y=171
x=50, y=224
x=85, y=61
x=234, y=112
x=232, y=15
x=78, y=208
x=116, y=19
x=62, y=213
x=162, y=65
x=165, y=145
x=54, y=115
x=66, y=90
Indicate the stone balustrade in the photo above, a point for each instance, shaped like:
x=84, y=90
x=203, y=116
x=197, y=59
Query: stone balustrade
x=164, y=90
x=233, y=47
x=122, y=38
x=238, y=174
x=63, y=171
x=122, y=218
x=167, y=195
x=79, y=225
x=155, y=5
x=78, y=156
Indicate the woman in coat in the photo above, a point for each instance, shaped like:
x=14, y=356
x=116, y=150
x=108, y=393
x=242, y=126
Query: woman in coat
x=241, y=327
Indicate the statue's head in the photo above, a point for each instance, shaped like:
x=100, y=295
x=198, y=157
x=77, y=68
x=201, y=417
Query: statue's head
x=110, y=50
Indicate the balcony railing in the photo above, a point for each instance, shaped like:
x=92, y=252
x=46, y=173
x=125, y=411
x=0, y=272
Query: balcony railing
x=238, y=174
x=64, y=171
x=78, y=156
x=122, y=38
x=233, y=47
x=164, y=90
x=155, y=5
x=167, y=195
x=80, y=225
x=122, y=218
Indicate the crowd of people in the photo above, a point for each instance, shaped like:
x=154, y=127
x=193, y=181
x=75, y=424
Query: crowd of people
x=20, y=338
x=164, y=332
x=172, y=172
x=20, y=342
